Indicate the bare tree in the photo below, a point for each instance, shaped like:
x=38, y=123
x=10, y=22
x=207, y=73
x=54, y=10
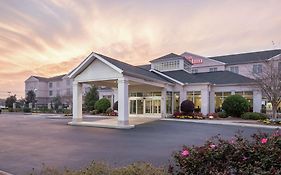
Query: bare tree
x=269, y=80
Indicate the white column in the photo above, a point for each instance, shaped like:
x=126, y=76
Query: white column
x=182, y=95
x=115, y=94
x=123, y=99
x=205, y=101
x=163, y=103
x=212, y=101
x=257, y=100
x=77, y=102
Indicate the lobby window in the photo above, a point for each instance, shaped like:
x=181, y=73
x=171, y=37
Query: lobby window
x=176, y=101
x=219, y=98
x=213, y=69
x=195, y=97
x=50, y=93
x=169, y=98
x=50, y=85
x=234, y=69
x=194, y=71
x=257, y=68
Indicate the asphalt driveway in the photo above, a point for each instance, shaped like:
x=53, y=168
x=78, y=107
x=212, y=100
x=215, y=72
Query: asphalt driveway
x=28, y=141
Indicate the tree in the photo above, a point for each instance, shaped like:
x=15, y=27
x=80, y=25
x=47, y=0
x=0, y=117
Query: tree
x=269, y=80
x=235, y=105
x=57, y=102
x=30, y=97
x=10, y=100
x=91, y=98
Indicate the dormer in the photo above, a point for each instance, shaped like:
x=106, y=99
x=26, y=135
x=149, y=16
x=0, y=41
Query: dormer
x=171, y=62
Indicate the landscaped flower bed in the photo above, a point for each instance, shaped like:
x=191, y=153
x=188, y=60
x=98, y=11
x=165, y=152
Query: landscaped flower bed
x=194, y=115
x=270, y=121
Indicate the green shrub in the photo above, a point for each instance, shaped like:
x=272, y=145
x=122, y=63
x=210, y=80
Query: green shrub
x=10, y=110
x=222, y=115
x=27, y=110
x=253, y=116
x=102, y=105
x=97, y=168
x=260, y=155
x=235, y=105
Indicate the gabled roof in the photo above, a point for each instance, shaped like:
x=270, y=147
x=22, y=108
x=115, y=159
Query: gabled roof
x=219, y=77
x=224, y=77
x=145, y=66
x=184, y=77
x=122, y=67
x=55, y=78
x=132, y=70
x=40, y=78
x=243, y=58
x=169, y=57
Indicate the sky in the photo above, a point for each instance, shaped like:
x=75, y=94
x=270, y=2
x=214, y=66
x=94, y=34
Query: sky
x=51, y=37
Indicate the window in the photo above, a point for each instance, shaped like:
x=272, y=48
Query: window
x=168, y=65
x=213, y=69
x=176, y=101
x=50, y=85
x=279, y=66
x=195, y=97
x=219, y=98
x=257, y=68
x=50, y=93
x=194, y=71
x=169, y=98
x=234, y=69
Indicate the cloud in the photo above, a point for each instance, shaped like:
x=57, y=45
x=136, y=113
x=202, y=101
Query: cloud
x=50, y=37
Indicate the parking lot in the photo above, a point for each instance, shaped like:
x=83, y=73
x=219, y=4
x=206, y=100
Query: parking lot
x=27, y=141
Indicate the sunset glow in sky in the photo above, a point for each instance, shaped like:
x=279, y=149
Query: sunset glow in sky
x=50, y=37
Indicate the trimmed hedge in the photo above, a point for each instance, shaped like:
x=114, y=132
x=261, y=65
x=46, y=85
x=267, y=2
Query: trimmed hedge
x=102, y=105
x=235, y=105
x=222, y=115
x=253, y=116
x=187, y=106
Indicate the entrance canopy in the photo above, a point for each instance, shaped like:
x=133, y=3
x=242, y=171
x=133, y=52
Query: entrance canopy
x=104, y=71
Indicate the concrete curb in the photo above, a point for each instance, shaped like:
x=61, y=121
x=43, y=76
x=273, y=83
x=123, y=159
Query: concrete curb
x=230, y=123
x=4, y=173
x=101, y=125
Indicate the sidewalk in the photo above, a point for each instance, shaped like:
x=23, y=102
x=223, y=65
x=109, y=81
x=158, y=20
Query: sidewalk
x=242, y=123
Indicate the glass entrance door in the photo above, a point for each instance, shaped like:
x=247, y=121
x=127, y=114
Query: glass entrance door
x=145, y=106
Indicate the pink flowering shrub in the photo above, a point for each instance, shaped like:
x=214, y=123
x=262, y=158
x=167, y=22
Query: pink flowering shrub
x=236, y=156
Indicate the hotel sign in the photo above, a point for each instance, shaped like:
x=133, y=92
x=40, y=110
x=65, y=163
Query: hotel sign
x=194, y=60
